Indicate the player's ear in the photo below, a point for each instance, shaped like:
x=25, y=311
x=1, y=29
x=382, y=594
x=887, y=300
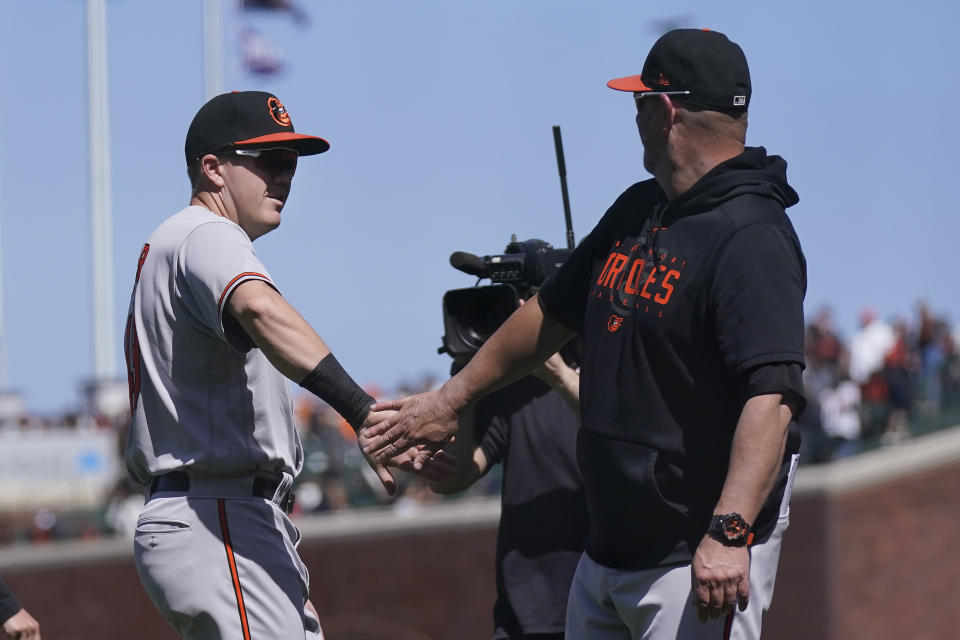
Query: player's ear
x=210, y=168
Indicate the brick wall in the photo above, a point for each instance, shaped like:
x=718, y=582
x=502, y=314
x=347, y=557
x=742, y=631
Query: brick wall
x=870, y=553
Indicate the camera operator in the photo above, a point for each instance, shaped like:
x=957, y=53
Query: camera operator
x=530, y=427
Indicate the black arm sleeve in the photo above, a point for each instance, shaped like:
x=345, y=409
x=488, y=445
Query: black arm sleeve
x=329, y=382
x=785, y=378
x=8, y=603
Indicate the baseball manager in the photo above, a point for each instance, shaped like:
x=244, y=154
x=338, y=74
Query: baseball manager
x=689, y=297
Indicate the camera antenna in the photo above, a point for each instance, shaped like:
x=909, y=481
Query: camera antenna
x=562, y=168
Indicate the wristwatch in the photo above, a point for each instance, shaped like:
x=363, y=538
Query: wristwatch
x=730, y=529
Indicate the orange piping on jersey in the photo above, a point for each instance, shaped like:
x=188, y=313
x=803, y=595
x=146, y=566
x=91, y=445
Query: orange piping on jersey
x=143, y=258
x=222, y=506
x=230, y=284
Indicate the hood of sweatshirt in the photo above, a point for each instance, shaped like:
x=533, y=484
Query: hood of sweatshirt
x=751, y=172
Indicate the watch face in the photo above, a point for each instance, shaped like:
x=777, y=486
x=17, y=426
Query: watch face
x=733, y=527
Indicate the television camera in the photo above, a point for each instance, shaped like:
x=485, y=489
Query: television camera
x=471, y=315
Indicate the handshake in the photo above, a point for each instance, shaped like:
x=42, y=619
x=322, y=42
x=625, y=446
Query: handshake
x=408, y=434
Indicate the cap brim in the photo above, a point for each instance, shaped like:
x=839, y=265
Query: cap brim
x=628, y=83
x=303, y=144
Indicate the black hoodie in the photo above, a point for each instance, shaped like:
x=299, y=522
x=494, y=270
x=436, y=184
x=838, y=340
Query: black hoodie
x=678, y=302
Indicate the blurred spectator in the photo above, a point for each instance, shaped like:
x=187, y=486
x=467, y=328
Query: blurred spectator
x=840, y=411
x=814, y=444
x=869, y=346
x=825, y=353
x=932, y=343
x=897, y=369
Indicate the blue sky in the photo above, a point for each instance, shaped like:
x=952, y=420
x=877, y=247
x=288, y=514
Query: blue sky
x=439, y=114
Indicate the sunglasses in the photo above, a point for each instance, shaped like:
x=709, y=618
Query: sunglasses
x=272, y=160
x=638, y=96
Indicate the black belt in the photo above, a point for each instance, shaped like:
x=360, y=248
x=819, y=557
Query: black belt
x=263, y=487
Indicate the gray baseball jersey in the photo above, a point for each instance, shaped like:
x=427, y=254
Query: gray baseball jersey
x=202, y=397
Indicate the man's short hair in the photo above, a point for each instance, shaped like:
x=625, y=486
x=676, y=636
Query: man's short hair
x=194, y=172
x=732, y=123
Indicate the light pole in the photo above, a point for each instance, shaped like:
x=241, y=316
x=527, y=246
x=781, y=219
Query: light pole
x=212, y=48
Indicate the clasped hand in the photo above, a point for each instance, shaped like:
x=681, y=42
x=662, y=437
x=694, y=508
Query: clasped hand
x=425, y=422
x=433, y=465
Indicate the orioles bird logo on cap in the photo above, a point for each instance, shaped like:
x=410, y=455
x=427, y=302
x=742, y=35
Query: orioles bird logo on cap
x=278, y=112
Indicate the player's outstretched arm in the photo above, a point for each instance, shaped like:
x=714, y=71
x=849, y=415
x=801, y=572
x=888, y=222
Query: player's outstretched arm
x=277, y=328
x=526, y=339
x=295, y=349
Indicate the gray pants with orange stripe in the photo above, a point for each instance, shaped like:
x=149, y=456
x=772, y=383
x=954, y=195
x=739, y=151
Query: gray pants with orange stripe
x=224, y=568
x=656, y=604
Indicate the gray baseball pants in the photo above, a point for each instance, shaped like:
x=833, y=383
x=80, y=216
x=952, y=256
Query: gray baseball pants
x=656, y=604
x=224, y=567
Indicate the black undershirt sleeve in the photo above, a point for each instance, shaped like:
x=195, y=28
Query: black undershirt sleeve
x=493, y=433
x=785, y=378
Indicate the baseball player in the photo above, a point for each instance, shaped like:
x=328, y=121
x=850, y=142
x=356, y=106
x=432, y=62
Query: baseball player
x=688, y=295
x=210, y=346
x=17, y=623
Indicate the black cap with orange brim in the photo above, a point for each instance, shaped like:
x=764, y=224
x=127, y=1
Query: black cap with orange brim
x=707, y=68
x=246, y=119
